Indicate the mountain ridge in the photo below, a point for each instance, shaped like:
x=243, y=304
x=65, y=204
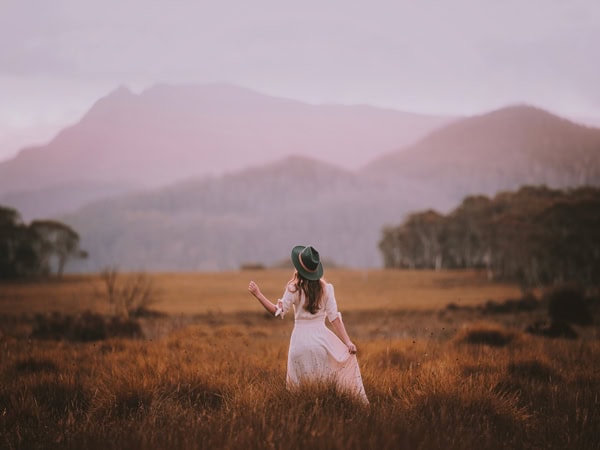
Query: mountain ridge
x=508, y=147
x=251, y=214
x=170, y=132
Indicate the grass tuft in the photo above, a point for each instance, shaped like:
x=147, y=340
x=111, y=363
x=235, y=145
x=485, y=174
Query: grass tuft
x=533, y=369
x=34, y=365
x=486, y=334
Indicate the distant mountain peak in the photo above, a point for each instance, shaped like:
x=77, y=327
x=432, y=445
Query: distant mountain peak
x=515, y=120
x=210, y=94
x=172, y=132
x=523, y=110
x=118, y=99
x=120, y=95
x=215, y=87
x=121, y=90
x=517, y=144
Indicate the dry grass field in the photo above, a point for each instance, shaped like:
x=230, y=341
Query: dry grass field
x=210, y=371
x=225, y=292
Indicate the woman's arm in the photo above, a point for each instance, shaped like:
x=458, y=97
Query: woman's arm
x=254, y=290
x=340, y=329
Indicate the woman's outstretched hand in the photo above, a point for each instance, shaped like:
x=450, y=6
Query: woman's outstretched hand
x=352, y=348
x=254, y=289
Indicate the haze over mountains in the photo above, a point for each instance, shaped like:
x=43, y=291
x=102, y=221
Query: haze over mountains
x=167, y=133
x=500, y=150
x=335, y=184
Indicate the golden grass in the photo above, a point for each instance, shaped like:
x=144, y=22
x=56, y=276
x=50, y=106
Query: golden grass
x=213, y=386
x=197, y=293
x=212, y=374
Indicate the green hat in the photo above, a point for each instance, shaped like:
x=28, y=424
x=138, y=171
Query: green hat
x=307, y=262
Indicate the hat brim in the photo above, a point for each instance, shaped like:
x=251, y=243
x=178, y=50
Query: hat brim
x=316, y=275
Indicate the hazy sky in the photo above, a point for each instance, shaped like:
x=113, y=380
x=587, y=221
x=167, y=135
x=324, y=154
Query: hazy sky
x=435, y=56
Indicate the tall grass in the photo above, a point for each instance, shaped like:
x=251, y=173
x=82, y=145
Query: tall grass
x=212, y=374
x=221, y=384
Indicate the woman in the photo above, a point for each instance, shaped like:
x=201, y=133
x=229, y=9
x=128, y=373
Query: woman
x=315, y=352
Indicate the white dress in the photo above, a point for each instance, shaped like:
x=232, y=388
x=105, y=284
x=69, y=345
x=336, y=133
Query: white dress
x=315, y=352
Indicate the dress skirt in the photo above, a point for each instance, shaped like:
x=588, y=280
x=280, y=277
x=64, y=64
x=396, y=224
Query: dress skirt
x=316, y=353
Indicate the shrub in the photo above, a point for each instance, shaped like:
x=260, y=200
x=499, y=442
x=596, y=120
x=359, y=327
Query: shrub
x=524, y=304
x=554, y=330
x=84, y=327
x=566, y=303
x=33, y=365
x=484, y=334
x=252, y=266
x=532, y=370
x=54, y=326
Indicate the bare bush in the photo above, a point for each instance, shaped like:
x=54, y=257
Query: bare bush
x=129, y=295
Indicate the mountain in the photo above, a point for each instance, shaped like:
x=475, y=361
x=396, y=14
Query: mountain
x=168, y=133
x=62, y=198
x=500, y=150
x=257, y=214
x=254, y=215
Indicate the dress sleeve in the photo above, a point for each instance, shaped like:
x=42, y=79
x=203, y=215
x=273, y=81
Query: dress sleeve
x=285, y=302
x=331, y=304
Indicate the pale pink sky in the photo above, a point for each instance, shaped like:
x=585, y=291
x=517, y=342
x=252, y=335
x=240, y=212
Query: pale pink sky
x=434, y=56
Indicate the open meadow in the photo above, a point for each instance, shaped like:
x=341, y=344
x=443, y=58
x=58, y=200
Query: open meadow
x=445, y=359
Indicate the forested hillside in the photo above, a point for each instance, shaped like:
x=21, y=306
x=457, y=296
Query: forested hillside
x=255, y=215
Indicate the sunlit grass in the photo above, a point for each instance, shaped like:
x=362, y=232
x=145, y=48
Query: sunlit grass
x=196, y=293
x=211, y=376
x=208, y=386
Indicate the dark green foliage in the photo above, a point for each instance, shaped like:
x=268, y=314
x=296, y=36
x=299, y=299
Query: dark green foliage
x=536, y=236
x=32, y=250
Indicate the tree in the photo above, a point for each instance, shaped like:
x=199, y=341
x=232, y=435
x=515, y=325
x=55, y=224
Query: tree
x=18, y=252
x=536, y=236
x=416, y=244
x=56, y=240
x=30, y=250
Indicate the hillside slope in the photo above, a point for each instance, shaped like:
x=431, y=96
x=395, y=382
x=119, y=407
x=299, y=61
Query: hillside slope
x=253, y=216
x=500, y=150
x=168, y=133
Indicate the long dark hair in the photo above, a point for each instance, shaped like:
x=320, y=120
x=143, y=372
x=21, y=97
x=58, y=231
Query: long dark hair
x=313, y=291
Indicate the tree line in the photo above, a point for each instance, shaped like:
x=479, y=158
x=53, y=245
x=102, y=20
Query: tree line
x=536, y=236
x=40, y=248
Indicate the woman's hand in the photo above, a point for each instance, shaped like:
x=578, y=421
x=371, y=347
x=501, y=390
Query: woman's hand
x=254, y=289
x=352, y=348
